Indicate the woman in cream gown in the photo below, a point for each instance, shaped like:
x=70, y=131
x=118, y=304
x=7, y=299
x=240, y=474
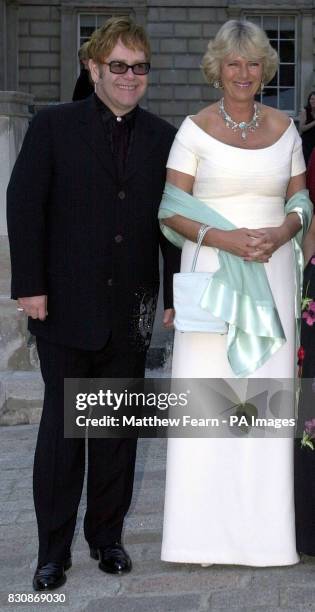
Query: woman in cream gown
x=231, y=501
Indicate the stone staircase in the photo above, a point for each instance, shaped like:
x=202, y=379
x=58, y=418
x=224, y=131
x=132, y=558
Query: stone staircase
x=21, y=386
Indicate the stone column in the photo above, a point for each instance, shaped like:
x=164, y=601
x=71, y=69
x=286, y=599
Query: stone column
x=14, y=118
x=68, y=58
x=12, y=44
x=16, y=356
x=3, y=48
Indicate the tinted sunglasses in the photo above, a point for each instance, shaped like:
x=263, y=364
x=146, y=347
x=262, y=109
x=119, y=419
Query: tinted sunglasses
x=122, y=68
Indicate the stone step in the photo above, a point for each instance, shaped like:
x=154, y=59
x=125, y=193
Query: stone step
x=17, y=347
x=22, y=392
x=5, y=268
x=21, y=397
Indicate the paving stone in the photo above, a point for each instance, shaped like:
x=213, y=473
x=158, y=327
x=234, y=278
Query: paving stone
x=232, y=598
x=6, y=488
x=8, y=517
x=134, y=537
x=153, y=584
x=24, y=495
x=12, y=547
x=298, y=595
x=95, y=583
x=14, y=474
x=296, y=574
x=23, y=432
x=144, y=522
x=263, y=608
x=188, y=580
x=9, y=607
x=12, y=506
x=144, y=604
x=18, y=534
x=13, y=561
x=16, y=461
x=26, y=516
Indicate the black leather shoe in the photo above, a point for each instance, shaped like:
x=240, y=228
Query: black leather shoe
x=113, y=558
x=51, y=575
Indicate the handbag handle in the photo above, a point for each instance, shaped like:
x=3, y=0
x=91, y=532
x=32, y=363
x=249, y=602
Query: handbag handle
x=201, y=234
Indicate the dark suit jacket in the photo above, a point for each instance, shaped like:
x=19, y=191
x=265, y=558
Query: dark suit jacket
x=82, y=237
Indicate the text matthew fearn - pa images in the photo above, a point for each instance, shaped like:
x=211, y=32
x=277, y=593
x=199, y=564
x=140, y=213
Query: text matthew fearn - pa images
x=161, y=401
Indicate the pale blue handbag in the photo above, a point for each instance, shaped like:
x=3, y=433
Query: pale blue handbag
x=189, y=288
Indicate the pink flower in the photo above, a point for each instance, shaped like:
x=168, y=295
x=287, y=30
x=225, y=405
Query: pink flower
x=310, y=428
x=309, y=314
x=313, y=261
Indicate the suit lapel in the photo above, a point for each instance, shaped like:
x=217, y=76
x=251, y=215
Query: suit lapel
x=91, y=130
x=146, y=138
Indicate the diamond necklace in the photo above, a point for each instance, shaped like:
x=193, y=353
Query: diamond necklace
x=244, y=126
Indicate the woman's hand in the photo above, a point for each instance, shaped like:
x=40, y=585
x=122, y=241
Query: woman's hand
x=271, y=238
x=249, y=244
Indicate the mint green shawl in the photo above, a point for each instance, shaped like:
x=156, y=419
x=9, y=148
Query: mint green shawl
x=239, y=291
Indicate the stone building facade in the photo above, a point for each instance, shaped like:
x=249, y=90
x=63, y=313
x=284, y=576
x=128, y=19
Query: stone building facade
x=40, y=38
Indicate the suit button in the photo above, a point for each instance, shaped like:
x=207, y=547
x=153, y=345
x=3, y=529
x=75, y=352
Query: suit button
x=109, y=282
x=121, y=195
x=118, y=239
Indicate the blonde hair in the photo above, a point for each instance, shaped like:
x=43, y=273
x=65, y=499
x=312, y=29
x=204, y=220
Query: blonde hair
x=83, y=51
x=244, y=38
x=123, y=28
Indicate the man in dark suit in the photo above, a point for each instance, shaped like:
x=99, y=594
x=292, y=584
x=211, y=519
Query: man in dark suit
x=83, y=87
x=84, y=238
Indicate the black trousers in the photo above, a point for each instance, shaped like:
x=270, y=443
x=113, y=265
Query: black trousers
x=59, y=463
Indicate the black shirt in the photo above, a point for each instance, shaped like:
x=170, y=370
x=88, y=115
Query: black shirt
x=120, y=132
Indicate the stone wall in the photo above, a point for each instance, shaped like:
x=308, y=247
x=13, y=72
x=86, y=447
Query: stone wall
x=179, y=31
x=39, y=51
x=179, y=38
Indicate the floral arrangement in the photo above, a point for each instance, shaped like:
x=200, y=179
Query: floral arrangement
x=309, y=434
x=308, y=314
x=308, y=305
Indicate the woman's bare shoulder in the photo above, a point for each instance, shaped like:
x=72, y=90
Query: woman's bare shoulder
x=275, y=118
x=206, y=117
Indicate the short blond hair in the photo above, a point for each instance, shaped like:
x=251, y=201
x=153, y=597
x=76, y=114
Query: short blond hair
x=244, y=38
x=122, y=28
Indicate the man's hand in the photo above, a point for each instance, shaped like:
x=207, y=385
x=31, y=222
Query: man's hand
x=168, y=317
x=35, y=306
